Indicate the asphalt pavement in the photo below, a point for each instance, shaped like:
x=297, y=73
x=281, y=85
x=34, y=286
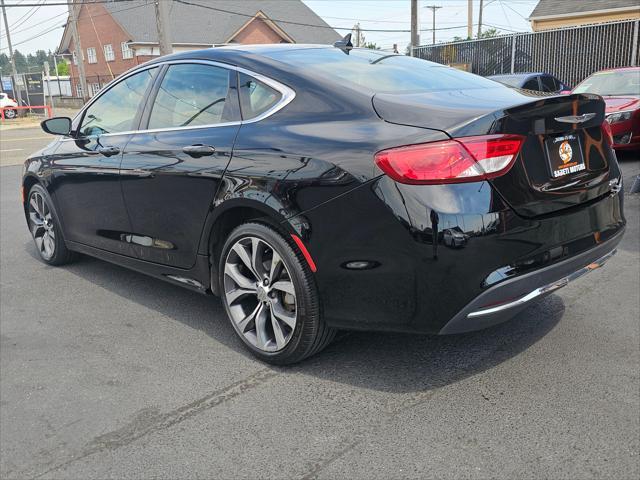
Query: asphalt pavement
x=17, y=143
x=107, y=373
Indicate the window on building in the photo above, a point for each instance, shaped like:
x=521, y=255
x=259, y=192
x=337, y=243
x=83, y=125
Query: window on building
x=75, y=58
x=115, y=110
x=79, y=90
x=109, y=55
x=94, y=88
x=191, y=95
x=126, y=51
x=91, y=55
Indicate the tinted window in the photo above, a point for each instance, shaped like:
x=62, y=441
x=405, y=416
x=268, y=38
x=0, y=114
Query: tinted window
x=548, y=84
x=531, y=84
x=115, y=110
x=256, y=97
x=191, y=95
x=379, y=71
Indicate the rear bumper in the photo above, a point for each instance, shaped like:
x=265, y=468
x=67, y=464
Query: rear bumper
x=501, y=302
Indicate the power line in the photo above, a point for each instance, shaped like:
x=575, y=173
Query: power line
x=50, y=29
x=61, y=4
x=26, y=16
x=34, y=25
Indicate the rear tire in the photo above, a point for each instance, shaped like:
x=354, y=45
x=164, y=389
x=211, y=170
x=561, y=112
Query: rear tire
x=270, y=296
x=45, y=228
x=10, y=114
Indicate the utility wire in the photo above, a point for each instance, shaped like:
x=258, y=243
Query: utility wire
x=50, y=29
x=25, y=17
x=33, y=25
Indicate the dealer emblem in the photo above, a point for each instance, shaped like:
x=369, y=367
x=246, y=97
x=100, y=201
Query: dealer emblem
x=566, y=152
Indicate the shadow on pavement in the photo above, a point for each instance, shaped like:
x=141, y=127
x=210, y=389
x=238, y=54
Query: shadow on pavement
x=380, y=361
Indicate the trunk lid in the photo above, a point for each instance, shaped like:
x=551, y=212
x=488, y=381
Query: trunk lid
x=565, y=160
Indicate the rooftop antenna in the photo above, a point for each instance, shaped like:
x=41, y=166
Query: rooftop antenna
x=345, y=44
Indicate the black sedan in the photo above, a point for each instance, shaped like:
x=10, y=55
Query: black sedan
x=539, y=82
x=309, y=187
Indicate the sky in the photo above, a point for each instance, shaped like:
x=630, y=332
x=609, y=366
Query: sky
x=34, y=28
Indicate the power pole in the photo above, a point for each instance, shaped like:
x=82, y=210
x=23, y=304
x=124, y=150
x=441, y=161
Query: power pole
x=433, y=8
x=415, y=36
x=357, y=35
x=14, y=71
x=73, y=22
x=480, y=20
x=470, y=19
x=163, y=26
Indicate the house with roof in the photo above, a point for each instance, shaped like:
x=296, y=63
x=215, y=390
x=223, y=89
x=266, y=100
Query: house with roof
x=116, y=36
x=550, y=14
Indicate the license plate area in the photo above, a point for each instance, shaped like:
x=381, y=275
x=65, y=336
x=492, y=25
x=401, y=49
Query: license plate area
x=564, y=154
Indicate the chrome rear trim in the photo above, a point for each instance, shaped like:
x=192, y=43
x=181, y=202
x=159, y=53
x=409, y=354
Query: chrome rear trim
x=545, y=290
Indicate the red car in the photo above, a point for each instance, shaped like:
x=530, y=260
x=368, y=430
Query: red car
x=620, y=88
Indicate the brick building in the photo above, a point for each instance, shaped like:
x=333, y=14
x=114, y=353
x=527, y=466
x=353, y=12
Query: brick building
x=116, y=36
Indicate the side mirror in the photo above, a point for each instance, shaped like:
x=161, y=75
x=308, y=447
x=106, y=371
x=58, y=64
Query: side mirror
x=57, y=126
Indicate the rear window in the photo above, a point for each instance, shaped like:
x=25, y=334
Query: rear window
x=512, y=81
x=379, y=71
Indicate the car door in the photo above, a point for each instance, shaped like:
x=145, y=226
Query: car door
x=171, y=171
x=85, y=180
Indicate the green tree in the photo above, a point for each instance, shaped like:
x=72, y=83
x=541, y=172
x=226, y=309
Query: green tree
x=63, y=68
x=372, y=46
x=491, y=32
x=21, y=62
x=5, y=64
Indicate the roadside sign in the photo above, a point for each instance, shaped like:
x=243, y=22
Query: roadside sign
x=6, y=84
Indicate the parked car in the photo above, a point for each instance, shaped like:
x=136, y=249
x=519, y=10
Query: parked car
x=291, y=180
x=6, y=102
x=620, y=88
x=454, y=237
x=539, y=82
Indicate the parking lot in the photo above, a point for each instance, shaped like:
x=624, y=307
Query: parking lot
x=106, y=373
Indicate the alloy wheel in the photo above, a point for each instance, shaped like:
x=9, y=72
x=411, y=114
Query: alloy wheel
x=42, y=226
x=260, y=294
x=10, y=114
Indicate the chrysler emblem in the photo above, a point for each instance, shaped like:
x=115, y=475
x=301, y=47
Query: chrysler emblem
x=576, y=118
x=566, y=152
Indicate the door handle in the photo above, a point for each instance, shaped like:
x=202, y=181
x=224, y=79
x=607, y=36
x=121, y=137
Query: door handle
x=199, y=150
x=109, y=151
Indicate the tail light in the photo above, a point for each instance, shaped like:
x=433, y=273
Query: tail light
x=467, y=159
x=607, y=133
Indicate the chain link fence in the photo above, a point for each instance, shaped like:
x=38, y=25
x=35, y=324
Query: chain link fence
x=570, y=54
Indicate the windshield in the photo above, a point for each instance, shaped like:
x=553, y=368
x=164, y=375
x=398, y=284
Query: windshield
x=379, y=71
x=611, y=83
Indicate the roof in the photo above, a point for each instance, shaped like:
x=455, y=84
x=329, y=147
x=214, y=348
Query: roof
x=555, y=8
x=215, y=24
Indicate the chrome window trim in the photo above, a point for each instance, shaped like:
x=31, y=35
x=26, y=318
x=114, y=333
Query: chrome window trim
x=288, y=94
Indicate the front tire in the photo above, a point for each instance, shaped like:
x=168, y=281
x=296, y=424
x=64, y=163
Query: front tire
x=10, y=114
x=270, y=296
x=45, y=228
